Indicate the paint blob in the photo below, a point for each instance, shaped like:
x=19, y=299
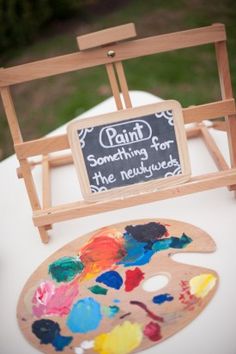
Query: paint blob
x=103, y=250
x=133, y=278
x=49, y=333
x=147, y=232
x=172, y=242
x=202, y=284
x=149, y=313
x=98, y=290
x=160, y=299
x=65, y=269
x=111, y=279
x=110, y=311
x=153, y=331
x=49, y=300
x=122, y=339
x=85, y=316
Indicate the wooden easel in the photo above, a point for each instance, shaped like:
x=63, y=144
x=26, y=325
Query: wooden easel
x=104, y=47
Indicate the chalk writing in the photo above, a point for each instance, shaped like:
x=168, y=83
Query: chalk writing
x=130, y=152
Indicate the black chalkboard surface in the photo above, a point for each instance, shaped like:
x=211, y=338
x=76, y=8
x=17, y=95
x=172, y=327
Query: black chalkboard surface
x=131, y=150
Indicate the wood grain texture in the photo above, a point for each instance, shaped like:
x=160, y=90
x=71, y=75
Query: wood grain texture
x=109, y=35
x=186, y=303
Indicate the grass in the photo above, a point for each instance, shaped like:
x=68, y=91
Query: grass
x=189, y=76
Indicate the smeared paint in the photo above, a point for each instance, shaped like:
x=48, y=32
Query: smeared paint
x=133, y=278
x=136, y=253
x=111, y=279
x=186, y=298
x=122, y=339
x=153, y=331
x=65, y=269
x=103, y=250
x=202, y=284
x=149, y=313
x=110, y=311
x=160, y=299
x=172, y=242
x=125, y=315
x=49, y=333
x=49, y=300
x=140, y=253
x=98, y=290
x=85, y=316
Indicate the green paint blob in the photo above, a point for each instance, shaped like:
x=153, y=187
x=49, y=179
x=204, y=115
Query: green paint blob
x=65, y=269
x=98, y=290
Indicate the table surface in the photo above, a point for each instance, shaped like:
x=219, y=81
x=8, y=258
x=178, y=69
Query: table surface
x=212, y=332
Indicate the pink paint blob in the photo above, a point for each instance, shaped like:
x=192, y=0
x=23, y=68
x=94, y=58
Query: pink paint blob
x=49, y=300
x=133, y=278
x=153, y=331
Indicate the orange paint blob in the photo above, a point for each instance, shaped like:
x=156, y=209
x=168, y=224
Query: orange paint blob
x=103, y=251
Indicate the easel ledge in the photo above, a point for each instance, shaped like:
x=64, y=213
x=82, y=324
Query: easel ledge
x=111, y=54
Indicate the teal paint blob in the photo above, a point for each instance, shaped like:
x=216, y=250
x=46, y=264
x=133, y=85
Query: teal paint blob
x=85, y=316
x=65, y=269
x=98, y=290
x=110, y=311
x=172, y=242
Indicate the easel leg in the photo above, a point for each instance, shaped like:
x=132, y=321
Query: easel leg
x=43, y=234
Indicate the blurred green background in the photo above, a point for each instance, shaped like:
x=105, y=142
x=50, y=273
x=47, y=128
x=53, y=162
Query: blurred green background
x=33, y=30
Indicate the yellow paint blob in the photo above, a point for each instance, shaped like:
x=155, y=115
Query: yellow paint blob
x=202, y=284
x=121, y=340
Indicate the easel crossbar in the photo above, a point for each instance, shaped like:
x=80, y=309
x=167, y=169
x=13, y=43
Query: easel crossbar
x=81, y=209
x=98, y=56
x=199, y=113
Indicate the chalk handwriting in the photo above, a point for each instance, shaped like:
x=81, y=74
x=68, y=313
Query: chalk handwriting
x=124, y=133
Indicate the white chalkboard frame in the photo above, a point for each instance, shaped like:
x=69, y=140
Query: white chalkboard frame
x=123, y=115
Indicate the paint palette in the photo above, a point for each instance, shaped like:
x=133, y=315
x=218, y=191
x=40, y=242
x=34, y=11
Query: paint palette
x=91, y=296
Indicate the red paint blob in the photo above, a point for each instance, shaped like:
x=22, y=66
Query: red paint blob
x=133, y=278
x=153, y=331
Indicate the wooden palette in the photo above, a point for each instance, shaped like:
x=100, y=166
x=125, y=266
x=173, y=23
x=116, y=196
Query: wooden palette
x=90, y=297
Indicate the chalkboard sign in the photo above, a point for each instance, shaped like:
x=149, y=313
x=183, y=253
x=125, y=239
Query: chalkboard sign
x=129, y=151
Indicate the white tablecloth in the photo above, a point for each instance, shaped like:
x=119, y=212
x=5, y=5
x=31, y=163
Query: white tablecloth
x=212, y=332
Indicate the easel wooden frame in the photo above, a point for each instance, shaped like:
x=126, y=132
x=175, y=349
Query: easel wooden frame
x=111, y=55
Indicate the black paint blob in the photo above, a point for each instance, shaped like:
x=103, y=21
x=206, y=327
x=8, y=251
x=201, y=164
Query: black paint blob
x=147, y=232
x=48, y=332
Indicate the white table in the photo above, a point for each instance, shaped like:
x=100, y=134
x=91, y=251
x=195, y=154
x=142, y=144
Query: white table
x=213, y=332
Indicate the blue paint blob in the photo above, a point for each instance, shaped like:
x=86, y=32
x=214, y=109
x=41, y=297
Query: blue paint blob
x=85, y=316
x=59, y=342
x=160, y=299
x=116, y=301
x=135, y=252
x=48, y=332
x=111, y=279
